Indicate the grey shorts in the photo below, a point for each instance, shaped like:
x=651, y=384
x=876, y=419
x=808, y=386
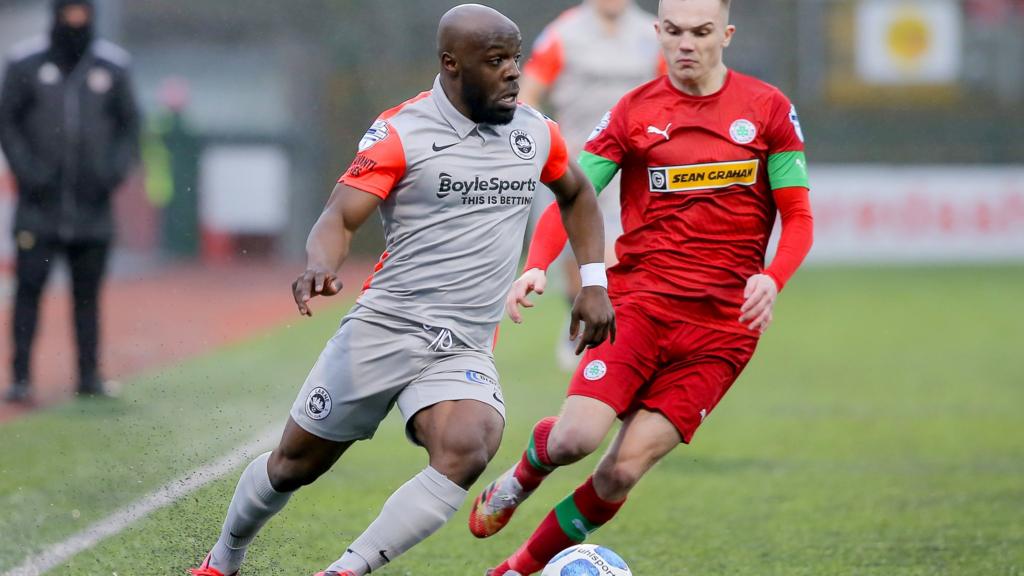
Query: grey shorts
x=374, y=361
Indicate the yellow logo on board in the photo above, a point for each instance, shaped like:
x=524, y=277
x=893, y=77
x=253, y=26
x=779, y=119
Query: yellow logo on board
x=703, y=176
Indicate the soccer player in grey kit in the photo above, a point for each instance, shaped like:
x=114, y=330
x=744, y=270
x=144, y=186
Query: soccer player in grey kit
x=453, y=172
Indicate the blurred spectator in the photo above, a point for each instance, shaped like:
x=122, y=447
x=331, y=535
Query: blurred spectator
x=583, y=63
x=69, y=129
x=171, y=153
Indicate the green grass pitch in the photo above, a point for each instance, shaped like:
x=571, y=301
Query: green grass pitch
x=878, y=432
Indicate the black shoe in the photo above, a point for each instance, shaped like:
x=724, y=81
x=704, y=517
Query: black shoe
x=93, y=389
x=20, y=392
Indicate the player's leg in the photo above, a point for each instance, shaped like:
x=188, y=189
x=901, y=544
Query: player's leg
x=346, y=395
x=603, y=386
x=460, y=435
x=32, y=267
x=263, y=490
x=700, y=366
x=87, y=261
x=645, y=437
x=555, y=441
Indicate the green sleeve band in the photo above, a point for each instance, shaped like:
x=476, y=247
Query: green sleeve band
x=788, y=169
x=572, y=522
x=599, y=171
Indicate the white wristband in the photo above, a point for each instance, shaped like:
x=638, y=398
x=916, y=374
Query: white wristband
x=593, y=275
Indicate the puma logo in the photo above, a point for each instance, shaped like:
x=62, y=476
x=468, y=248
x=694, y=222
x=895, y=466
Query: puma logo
x=655, y=130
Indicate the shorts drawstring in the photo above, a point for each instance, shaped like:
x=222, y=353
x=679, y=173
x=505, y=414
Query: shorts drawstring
x=443, y=340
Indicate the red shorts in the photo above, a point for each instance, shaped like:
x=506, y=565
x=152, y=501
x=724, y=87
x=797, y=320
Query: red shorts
x=664, y=365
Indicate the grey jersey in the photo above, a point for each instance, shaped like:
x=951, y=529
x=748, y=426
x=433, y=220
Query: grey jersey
x=457, y=196
x=588, y=70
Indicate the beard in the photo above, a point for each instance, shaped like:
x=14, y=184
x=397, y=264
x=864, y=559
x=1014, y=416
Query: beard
x=481, y=110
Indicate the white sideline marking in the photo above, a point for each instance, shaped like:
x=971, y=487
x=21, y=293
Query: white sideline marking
x=57, y=554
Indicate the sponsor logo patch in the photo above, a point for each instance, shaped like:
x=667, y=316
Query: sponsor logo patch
x=663, y=133
x=795, y=119
x=523, y=144
x=449, y=184
x=378, y=131
x=49, y=74
x=480, y=378
x=595, y=370
x=360, y=165
x=318, y=403
x=743, y=131
x=672, y=179
x=99, y=80
x=601, y=126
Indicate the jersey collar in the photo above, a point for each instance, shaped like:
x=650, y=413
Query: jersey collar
x=462, y=125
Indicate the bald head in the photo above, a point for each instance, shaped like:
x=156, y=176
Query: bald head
x=479, y=50
x=472, y=27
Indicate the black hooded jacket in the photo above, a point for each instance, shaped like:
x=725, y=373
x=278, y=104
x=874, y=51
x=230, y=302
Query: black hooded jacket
x=69, y=128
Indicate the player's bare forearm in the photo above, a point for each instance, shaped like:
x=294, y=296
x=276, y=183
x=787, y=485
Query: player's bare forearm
x=585, y=227
x=580, y=215
x=328, y=243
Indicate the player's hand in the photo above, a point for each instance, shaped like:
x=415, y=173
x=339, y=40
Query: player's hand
x=760, y=294
x=594, y=309
x=314, y=282
x=533, y=280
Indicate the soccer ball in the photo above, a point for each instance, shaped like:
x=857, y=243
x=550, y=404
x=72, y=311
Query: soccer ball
x=587, y=560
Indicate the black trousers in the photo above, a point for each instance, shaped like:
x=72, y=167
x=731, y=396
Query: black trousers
x=87, y=261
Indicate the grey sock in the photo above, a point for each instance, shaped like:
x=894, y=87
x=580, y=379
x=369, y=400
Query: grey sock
x=415, y=511
x=255, y=501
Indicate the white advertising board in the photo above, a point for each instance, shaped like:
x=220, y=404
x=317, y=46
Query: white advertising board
x=909, y=41
x=917, y=214
x=244, y=189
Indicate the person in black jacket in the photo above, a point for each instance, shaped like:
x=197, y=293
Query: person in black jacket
x=69, y=130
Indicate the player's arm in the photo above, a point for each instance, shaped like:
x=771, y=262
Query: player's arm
x=794, y=244
x=15, y=98
x=582, y=221
x=549, y=236
x=581, y=217
x=787, y=174
x=329, y=241
x=377, y=168
x=124, y=150
x=542, y=69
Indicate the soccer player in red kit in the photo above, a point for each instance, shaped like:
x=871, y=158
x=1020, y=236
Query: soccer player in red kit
x=708, y=157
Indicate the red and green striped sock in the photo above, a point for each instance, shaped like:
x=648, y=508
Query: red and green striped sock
x=535, y=465
x=572, y=520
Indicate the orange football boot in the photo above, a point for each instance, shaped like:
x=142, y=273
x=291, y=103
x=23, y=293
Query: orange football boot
x=206, y=570
x=494, y=507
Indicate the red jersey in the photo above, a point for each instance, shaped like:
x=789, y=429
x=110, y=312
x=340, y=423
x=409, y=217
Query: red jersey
x=698, y=175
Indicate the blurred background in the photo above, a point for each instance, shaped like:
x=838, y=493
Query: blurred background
x=877, y=431
x=254, y=107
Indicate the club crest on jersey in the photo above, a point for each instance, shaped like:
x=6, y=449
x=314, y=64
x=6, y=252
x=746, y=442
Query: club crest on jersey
x=378, y=131
x=673, y=179
x=601, y=126
x=743, y=131
x=523, y=144
x=318, y=403
x=595, y=370
x=796, y=123
x=49, y=74
x=100, y=80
